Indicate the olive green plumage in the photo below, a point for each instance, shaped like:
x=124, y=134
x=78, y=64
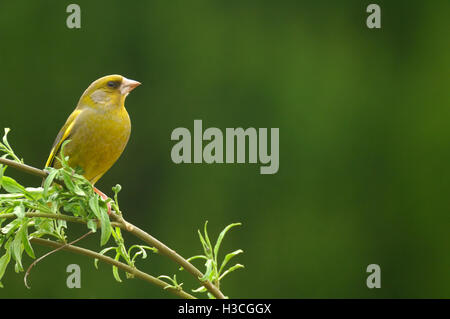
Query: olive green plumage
x=98, y=128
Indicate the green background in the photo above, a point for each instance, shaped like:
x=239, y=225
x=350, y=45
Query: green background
x=364, y=137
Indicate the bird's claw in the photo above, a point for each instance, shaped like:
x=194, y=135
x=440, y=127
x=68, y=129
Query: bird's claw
x=104, y=197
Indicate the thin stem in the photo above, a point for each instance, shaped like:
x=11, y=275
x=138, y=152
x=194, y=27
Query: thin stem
x=134, y=271
x=123, y=224
x=68, y=218
x=49, y=253
x=23, y=167
x=172, y=254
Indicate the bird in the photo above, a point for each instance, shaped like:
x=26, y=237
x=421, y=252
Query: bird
x=98, y=129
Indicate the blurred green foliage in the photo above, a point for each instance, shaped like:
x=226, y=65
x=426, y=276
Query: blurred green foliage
x=364, y=137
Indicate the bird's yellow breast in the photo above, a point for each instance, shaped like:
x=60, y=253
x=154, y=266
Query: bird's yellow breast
x=98, y=139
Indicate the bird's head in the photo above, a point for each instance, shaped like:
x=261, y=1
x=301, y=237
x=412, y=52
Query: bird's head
x=108, y=91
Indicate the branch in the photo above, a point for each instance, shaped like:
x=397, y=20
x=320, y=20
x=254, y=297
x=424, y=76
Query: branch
x=136, y=272
x=68, y=218
x=172, y=254
x=123, y=224
x=23, y=167
x=48, y=254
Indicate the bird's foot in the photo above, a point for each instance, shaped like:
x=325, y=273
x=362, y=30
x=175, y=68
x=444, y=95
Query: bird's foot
x=104, y=197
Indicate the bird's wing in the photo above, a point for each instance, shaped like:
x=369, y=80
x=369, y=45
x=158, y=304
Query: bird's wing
x=63, y=135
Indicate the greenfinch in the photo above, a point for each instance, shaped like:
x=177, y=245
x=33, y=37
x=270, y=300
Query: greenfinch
x=98, y=128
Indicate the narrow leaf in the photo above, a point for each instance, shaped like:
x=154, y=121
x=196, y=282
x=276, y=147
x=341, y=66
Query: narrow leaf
x=71, y=186
x=206, y=248
x=207, y=238
x=4, y=261
x=11, y=227
x=209, y=271
x=104, y=251
x=68, y=181
x=231, y=269
x=228, y=258
x=197, y=257
x=16, y=248
x=141, y=251
x=92, y=225
x=19, y=211
x=1, y=175
x=11, y=186
x=199, y=289
x=26, y=242
x=48, y=182
x=194, y=258
x=116, y=270
x=165, y=277
x=5, y=136
x=221, y=236
x=102, y=215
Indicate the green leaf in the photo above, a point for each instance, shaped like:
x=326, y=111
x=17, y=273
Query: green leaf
x=118, y=234
x=221, y=236
x=5, y=138
x=11, y=186
x=19, y=211
x=102, y=215
x=4, y=261
x=153, y=249
x=68, y=182
x=173, y=280
x=11, y=227
x=228, y=258
x=231, y=269
x=202, y=240
x=1, y=175
x=207, y=239
x=141, y=250
x=63, y=159
x=17, y=249
x=26, y=242
x=92, y=225
x=199, y=289
x=61, y=224
x=48, y=182
x=116, y=270
x=7, y=130
x=138, y=253
x=194, y=258
x=123, y=252
x=209, y=271
x=76, y=208
x=46, y=225
x=104, y=251
x=206, y=248
x=71, y=186
x=165, y=277
x=28, y=248
x=197, y=257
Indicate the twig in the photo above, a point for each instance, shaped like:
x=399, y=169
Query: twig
x=23, y=167
x=49, y=253
x=68, y=218
x=134, y=271
x=162, y=248
x=172, y=254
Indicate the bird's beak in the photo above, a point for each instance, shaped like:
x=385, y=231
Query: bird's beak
x=128, y=85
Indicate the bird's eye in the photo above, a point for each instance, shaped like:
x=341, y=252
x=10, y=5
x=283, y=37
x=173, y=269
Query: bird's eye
x=113, y=84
